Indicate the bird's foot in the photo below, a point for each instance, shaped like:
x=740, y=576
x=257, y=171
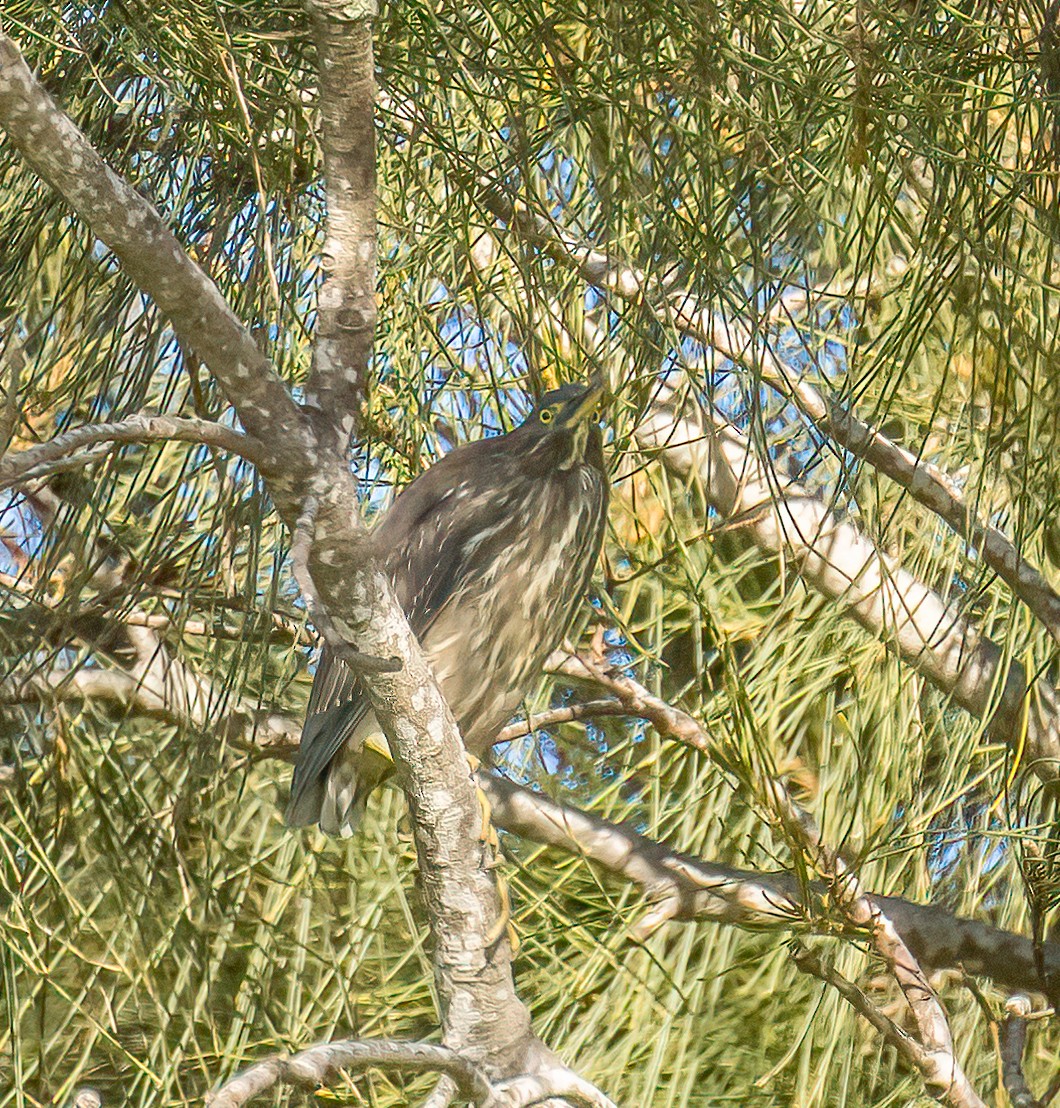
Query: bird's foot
x=488, y=837
x=504, y=924
x=486, y=832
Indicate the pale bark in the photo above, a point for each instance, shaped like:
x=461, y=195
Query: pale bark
x=321, y=1064
x=930, y=1046
x=342, y=343
x=154, y=260
x=480, y=1010
x=679, y=887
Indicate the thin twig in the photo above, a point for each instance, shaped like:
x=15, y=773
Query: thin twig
x=936, y=1059
x=1013, y=1041
x=281, y=629
x=810, y=962
x=589, y=709
x=669, y=721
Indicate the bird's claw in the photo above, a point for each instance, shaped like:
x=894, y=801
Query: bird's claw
x=488, y=837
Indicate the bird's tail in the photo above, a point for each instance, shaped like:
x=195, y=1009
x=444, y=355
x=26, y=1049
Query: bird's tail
x=354, y=776
x=342, y=759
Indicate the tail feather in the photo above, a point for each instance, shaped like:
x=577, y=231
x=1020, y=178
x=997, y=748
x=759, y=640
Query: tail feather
x=342, y=805
x=336, y=794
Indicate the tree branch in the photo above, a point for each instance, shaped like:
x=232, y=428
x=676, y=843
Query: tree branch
x=480, y=1010
x=157, y=684
x=958, y=1093
x=1013, y=1041
x=321, y=1065
x=59, y=153
x=809, y=961
x=679, y=887
x=841, y=564
x=481, y=1014
x=683, y=310
x=346, y=305
x=135, y=429
x=589, y=709
x=635, y=699
x=682, y=888
x=934, y=1056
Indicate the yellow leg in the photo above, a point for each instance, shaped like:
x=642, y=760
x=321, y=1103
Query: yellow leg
x=488, y=836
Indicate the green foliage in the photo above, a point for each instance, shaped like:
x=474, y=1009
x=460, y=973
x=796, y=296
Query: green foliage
x=159, y=927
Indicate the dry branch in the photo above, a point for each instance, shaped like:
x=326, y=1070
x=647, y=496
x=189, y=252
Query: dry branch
x=1013, y=1039
x=321, y=1065
x=931, y=1051
x=932, y=1065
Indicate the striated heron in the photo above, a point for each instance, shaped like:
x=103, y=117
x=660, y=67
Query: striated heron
x=490, y=551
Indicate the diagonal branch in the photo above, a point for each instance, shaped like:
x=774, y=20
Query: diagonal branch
x=135, y=429
x=957, y=1093
x=635, y=699
x=839, y=562
x=682, y=888
x=58, y=152
x=678, y=887
x=925, y=482
x=932, y=1049
x=683, y=310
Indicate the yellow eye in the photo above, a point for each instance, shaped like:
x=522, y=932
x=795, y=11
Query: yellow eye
x=546, y=415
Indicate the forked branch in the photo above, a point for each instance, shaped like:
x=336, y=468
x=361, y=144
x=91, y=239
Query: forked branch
x=322, y=1065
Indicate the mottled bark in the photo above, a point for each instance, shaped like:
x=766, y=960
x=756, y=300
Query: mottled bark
x=155, y=261
x=939, y=1069
x=321, y=1064
x=929, y=1044
x=346, y=303
x=481, y=1014
x=480, y=1010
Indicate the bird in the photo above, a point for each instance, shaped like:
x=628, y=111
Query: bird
x=491, y=551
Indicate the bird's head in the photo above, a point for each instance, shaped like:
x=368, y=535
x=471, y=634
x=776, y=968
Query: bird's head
x=563, y=428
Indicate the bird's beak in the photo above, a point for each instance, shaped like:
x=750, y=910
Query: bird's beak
x=586, y=404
